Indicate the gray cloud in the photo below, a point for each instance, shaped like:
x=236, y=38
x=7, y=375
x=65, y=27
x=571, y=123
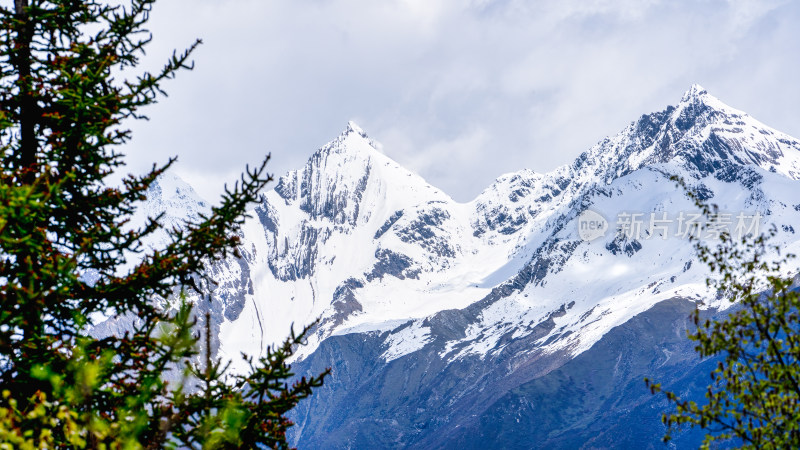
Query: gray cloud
x=458, y=91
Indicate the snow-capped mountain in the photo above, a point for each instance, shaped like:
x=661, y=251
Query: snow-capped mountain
x=436, y=314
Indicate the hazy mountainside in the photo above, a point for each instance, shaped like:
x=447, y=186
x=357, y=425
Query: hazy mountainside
x=492, y=321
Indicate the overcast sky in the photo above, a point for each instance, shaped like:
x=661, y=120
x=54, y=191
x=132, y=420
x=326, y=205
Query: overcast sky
x=457, y=91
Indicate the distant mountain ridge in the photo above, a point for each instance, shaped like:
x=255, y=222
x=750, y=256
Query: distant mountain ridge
x=438, y=316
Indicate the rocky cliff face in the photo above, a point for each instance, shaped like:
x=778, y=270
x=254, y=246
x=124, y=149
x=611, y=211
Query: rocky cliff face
x=495, y=321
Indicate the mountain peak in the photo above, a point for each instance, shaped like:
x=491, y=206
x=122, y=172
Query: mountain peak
x=353, y=131
x=698, y=98
x=695, y=91
x=698, y=108
x=352, y=127
x=708, y=135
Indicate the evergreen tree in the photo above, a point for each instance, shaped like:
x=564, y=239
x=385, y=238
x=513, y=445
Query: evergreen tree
x=64, y=103
x=753, y=399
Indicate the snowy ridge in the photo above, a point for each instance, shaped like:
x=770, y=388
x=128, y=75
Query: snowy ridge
x=588, y=288
x=174, y=200
x=369, y=247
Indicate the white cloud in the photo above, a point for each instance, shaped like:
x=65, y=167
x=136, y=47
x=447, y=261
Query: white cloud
x=460, y=91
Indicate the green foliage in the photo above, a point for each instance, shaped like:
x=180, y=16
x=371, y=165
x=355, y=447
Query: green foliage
x=63, y=104
x=754, y=396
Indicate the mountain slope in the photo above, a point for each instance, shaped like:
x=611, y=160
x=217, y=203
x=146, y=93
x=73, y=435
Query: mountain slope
x=443, y=320
x=565, y=294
